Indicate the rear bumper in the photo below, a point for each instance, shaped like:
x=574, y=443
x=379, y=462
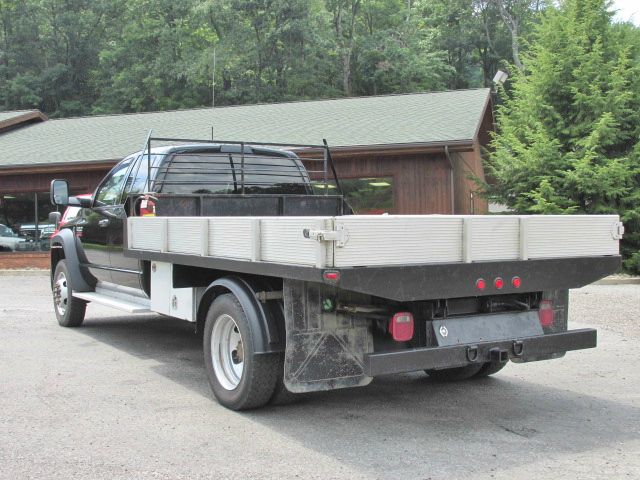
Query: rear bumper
x=520, y=349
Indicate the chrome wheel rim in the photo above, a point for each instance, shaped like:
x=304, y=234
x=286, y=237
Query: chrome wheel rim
x=227, y=351
x=61, y=293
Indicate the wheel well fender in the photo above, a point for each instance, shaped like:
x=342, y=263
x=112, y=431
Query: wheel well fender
x=266, y=319
x=65, y=245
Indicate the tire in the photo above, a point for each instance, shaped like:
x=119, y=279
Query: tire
x=490, y=368
x=240, y=379
x=69, y=310
x=455, y=374
x=281, y=395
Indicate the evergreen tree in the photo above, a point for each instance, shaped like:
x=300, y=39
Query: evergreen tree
x=568, y=133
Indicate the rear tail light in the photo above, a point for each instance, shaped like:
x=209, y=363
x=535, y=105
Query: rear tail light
x=401, y=326
x=331, y=275
x=516, y=282
x=498, y=283
x=481, y=284
x=545, y=313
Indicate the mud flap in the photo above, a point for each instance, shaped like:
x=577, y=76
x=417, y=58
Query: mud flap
x=325, y=350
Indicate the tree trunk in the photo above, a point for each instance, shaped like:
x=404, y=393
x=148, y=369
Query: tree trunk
x=512, y=24
x=345, y=42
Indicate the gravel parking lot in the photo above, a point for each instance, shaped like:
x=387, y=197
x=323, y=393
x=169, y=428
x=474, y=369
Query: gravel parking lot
x=127, y=398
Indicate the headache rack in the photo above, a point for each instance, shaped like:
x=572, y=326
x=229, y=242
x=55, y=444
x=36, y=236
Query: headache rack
x=247, y=169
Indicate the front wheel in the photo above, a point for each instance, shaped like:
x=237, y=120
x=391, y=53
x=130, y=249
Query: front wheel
x=239, y=378
x=69, y=310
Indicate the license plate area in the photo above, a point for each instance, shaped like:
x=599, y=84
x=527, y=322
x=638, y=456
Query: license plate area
x=486, y=328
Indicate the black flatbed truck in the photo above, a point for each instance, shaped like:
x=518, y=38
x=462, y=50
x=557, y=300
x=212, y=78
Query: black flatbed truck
x=293, y=293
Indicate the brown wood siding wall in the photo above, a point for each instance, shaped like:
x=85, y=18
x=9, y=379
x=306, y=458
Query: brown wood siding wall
x=468, y=199
x=79, y=182
x=421, y=182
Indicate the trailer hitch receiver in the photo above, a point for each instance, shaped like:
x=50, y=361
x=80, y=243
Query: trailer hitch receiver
x=499, y=355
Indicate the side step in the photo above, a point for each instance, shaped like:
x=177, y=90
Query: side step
x=116, y=298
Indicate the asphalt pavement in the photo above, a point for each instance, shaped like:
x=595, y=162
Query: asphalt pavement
x=126, y=397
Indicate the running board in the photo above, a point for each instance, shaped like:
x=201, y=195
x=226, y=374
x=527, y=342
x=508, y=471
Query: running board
x=128, y=303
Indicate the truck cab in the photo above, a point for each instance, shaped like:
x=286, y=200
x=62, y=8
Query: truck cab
x=177, y=170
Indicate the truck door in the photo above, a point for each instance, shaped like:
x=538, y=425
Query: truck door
x=103, y=216
x=127, y=271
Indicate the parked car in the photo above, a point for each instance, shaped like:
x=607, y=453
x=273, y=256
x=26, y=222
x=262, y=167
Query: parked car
x=44, y=230
x=9, y=240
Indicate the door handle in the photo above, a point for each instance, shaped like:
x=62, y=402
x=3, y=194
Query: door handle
x=103, y=223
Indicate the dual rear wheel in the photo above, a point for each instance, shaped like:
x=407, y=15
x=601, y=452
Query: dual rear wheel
x=240, y=378
x=457, y=374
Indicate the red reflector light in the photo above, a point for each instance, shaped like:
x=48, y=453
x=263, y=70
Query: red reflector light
x=481, y=284
x=331, y=276
x=499, y=283
x=401, y=326
x=516, y=282
x=545, y=313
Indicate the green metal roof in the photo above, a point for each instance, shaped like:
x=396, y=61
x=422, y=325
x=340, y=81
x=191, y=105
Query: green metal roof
x=450, y=116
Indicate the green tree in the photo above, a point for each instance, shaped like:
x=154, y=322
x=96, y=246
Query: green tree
x=568, y=138
x=74, y=57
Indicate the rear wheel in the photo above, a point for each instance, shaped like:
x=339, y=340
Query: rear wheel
x=239, y=378
x=282, y=395
x=490, y=368
x=69, y=310
x=455, y=374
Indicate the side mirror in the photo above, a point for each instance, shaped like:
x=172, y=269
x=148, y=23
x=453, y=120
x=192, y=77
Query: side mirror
x=59, y=192
x=54, y=217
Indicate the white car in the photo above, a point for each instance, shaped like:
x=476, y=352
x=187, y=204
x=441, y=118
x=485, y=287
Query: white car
x=9, y=240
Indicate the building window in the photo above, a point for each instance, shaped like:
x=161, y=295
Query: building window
x=24, y=225
x=369, y=196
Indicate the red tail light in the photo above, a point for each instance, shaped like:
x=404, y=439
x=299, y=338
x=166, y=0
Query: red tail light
x=498, y=283
x=401, y=326
x=516, y=282
x=545, y=313
x=331, y=276
x=481, y=284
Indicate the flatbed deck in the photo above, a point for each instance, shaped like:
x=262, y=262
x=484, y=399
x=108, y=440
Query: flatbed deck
x=404, y=258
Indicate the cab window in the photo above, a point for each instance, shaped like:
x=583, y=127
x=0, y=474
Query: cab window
x=109, y=192
x=137, y=181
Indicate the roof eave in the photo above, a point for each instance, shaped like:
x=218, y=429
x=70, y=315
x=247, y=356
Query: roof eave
x=62, y=167
x=338, y=151
x=465, y=145
x=25, y=118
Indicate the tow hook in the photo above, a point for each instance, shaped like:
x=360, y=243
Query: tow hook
x=518, y=348
x=472, y=353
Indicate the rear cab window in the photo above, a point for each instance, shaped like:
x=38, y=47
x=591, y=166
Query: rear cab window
x=202, y=172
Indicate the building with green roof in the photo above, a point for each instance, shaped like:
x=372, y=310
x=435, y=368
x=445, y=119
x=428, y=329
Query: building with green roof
x=422, y=146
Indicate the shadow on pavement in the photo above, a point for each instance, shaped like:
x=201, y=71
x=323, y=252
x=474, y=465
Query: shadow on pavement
x=480, y=426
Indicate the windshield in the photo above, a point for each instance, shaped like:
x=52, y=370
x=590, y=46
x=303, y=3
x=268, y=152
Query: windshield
x=6, y=232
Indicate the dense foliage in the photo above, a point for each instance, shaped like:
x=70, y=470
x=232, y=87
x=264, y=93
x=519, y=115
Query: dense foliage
x=78, y=57
x=568, y=136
